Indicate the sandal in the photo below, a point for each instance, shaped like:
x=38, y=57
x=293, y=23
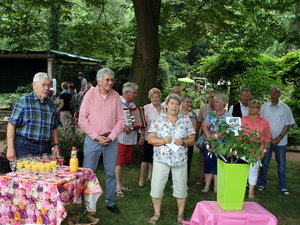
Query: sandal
x=200, y=181
x=205, y=189
x=180, y=219
x=120, y=193
x=125, y=188
x=154, y=219
x=215, y=189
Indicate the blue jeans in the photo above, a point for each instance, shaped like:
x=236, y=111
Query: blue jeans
x=280, y=155
x=24, y=147
x=92, y=152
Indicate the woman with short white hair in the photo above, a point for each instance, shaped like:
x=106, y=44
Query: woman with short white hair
x=170, y=134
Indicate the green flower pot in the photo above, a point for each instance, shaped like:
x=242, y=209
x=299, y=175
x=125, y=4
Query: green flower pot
x=231, y=186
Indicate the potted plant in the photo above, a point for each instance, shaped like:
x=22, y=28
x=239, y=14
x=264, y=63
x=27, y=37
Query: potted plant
x=71, y=136
x=233, y=172
x=85, y=218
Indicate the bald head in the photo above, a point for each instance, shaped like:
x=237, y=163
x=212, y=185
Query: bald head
x=176, y=90
x=275, y=93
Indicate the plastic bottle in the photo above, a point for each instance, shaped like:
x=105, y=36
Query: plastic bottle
x=73, y=160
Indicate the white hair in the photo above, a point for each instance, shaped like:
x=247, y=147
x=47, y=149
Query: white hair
x=128, y=87
x=221, y=98
x=103, y=71
x=173, y=96
x=38, y=76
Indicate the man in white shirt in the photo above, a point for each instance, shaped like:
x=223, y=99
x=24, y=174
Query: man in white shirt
x=127, y=139
x=280, y=118
x=241, y=109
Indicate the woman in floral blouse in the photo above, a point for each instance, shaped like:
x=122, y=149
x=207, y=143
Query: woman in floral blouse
x=170, y=134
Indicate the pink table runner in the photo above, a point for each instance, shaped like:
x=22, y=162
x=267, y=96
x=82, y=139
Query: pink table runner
x=39, y=199
x=209, y=213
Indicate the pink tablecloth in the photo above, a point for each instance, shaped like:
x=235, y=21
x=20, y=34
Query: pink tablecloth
x=209, y=213
x=40, y=199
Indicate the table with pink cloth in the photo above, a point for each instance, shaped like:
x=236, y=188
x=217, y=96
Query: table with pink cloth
x=209, y=213
x=27, y=198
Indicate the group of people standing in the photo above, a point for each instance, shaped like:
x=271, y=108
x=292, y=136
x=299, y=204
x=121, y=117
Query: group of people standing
x=168, y=140
x=271, y=121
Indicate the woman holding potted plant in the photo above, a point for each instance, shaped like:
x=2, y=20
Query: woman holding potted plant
x=210, y=129
x=255, y=123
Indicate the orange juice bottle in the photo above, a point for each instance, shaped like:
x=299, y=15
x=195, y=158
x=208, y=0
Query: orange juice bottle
x=74, y=160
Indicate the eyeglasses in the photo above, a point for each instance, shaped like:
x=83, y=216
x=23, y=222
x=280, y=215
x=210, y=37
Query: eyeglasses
x=133, y=92
x=107, y=80
x=254, y=107
x=44, y=85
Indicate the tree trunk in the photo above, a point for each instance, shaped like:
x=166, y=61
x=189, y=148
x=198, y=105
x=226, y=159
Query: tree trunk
x=145, y=60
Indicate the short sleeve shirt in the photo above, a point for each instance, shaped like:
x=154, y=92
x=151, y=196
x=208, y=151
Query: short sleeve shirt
x=278, y=116
x=130, y=138
x=203, y=112
x=163, y=127
x=66, y=96
x=34, y=119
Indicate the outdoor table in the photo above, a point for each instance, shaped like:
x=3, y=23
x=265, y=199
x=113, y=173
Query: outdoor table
x=208, y=213
x=27, y=198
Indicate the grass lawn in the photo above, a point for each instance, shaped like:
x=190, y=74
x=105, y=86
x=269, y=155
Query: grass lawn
x=136, y=207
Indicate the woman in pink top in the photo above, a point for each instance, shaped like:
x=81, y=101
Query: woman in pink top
x=152, y=110
x=250, y=123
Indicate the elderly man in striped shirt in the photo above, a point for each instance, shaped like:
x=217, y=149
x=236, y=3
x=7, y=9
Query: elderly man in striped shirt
x=101, y=117
x=127, y=139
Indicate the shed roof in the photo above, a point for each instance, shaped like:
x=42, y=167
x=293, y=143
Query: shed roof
x=61, y=58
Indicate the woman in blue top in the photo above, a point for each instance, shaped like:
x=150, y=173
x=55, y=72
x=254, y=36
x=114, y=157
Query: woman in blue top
x=210, y=130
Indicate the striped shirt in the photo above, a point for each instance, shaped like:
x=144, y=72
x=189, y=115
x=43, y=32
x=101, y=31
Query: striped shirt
x=83, y=84
x=34, y=120
x=124, y=138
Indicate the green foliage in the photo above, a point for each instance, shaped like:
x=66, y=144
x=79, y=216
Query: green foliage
x=199, y=98
x=294, y=135
x=252, y=25
x=258, y=73
x=8, y=100
x=24, y=89
x=70, y=136
x=290, y=71
x=247, y=144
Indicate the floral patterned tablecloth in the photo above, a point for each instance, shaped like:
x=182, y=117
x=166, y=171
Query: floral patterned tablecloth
x=26, y=198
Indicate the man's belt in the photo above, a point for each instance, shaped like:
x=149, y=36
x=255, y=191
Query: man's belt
x=105, y=135
x=35, y=141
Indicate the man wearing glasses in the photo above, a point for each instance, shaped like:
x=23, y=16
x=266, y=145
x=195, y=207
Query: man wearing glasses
x=127, y=139
x=33, y=123
x=101, y=117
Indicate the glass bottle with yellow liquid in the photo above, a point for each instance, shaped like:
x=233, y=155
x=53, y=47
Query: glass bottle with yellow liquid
x=74, y=160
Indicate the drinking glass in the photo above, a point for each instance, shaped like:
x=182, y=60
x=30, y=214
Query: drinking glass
x=61, y=160
x=42, y=168
x=19, y=166
x=34, y=168
x=13, y=165
x=27, y=167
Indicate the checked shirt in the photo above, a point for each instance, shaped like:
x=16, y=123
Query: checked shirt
x=34, y=120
